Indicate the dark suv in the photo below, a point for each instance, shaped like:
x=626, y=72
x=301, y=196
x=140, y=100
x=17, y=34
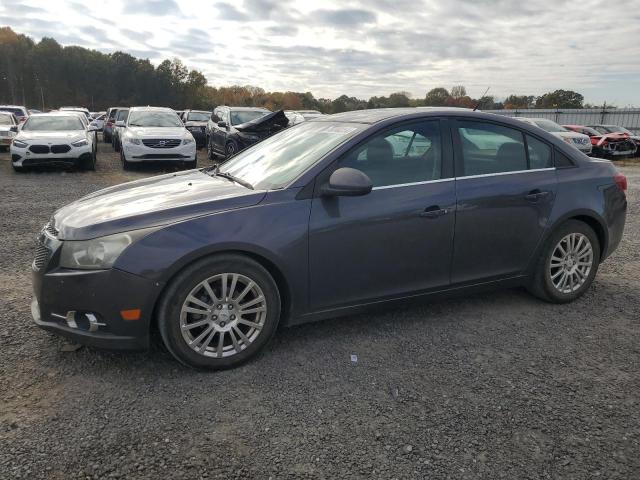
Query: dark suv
x=323, y=219
x=196, y=122
x=231, y=129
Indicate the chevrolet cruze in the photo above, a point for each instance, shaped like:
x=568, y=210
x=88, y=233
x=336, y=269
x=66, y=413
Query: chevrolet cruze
x=323, y=219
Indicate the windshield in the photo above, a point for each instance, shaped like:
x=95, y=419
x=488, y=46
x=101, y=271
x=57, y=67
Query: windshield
x=154, y=119
x=198, y=116
x=549, y=126
x=5, y=120
x=53, y=123
x=617, y=129
x=276, y=161
x=243, y=116
x=16, y=111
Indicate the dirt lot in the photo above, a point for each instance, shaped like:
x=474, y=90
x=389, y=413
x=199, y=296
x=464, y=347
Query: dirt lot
x=491, y=386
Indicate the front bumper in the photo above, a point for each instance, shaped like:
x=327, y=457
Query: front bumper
x=141, y=153
x=22, y=157
x=86, y=305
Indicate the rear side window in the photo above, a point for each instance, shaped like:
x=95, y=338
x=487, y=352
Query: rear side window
x=539, y=153
x=488, y=148
x=562, y=161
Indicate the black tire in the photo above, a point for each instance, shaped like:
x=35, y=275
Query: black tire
x=191, y=164
x=126, y=164
x=230, y=149
x=89, y=163
x=170, y=306
x=106, y=138
x=210, y=153
x=542, y=285
x=116, y=144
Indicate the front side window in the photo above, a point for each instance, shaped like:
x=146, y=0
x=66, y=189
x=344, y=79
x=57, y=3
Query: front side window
x=154, y=119
x=239, y=117
x=488, y=148
x=408, y=154
x=53, y=123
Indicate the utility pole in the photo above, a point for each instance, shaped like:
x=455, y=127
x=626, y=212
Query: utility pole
x=42, y=97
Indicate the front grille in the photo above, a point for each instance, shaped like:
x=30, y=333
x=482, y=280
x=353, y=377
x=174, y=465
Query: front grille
x=161, y=142
x=42, y=256
x=51, y=229
x=60, y=148
x=39, y=148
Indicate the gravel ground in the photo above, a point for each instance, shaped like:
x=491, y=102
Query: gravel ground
x=490, y=386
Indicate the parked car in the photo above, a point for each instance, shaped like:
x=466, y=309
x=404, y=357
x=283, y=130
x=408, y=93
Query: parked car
x=156, y=134
x=116, y=129
x=31, y=111
x=309, y=114
x=21, y=113
x=98, y=122
x=607, y=129
x=606, y=145
x=52, y=139
x=83, y=110
x=293, y=117
x=8, y=129
x=322, y=219
x=110, y=120
x=578, y=140
x=232, y=129
x=196, y=123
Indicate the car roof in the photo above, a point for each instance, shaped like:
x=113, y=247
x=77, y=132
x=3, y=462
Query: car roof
x=252, y=109
x=13, y=106
x=151, y=109
x=376, y=115
x=198, y=111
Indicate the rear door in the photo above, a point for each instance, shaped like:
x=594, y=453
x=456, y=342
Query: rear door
x=395, y=241
x=505, y=190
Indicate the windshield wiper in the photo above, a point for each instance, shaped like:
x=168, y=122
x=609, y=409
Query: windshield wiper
x=214, y=170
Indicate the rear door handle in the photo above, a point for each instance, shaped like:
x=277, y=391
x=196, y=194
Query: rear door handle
x=536, y=195
x=433, y=212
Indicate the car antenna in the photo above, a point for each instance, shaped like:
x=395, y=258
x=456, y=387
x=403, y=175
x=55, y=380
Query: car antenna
x=480, y=99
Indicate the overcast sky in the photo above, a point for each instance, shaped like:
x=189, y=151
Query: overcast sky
x=365, y=48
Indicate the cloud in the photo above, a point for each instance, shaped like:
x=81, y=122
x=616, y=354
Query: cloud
x=282, y=30
x=152, y=7
x=344, y=18
x=227, y=11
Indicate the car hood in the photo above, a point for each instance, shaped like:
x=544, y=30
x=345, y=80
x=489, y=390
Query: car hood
x=269, y=123
x=158, y=132
x=50, y=136
x=151, y=202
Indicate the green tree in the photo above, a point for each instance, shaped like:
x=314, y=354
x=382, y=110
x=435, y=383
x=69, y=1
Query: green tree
x=560, y=99
x=436, y=97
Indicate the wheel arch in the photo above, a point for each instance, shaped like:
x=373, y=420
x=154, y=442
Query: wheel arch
x=268, y=264
x=593, y=220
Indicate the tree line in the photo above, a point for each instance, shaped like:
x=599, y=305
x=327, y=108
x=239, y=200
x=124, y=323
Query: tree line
x=46, y=75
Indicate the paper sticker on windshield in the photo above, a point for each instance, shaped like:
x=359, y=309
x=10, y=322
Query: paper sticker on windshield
x=336, y=130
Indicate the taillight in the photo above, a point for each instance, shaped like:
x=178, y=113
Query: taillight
x=621, y=181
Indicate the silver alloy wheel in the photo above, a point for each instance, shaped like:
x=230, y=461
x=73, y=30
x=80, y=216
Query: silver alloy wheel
x=571, y=262
x=223, y=315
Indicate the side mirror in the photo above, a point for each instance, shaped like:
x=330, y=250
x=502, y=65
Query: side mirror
x=347, y=182
x=93, y=128
x=222, y=124
x=14, y=128
x=120, y=123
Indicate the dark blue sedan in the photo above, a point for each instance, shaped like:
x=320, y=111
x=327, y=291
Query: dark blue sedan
x=322, y=219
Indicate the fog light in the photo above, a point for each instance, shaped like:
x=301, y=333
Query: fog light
x=83, y=321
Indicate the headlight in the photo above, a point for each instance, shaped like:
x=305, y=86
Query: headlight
x=188, y=140
x=99, y=253
x=80, y=143
x=132, y=140
x=19, y=144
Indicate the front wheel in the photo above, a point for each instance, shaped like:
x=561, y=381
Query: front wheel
x=219, y=312
x=568, y=263
x=126, y=164
x=89, y=163
x=230, y=149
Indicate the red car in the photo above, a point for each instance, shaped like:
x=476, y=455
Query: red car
x=611, y=145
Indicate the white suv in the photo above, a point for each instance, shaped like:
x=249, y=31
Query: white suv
x=575, y=139
x=54, y=139
x=156, y=134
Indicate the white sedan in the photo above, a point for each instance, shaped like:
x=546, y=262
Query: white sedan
x=8, y=129
x=575, y=139
x=51, y=139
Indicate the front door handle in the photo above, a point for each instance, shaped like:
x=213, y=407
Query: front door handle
x=433, y=212
x=536, y=195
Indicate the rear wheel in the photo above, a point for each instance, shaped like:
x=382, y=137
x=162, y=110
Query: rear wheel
x=210, y=154
x=116, y=144
x=568, y=263
x=219, y=312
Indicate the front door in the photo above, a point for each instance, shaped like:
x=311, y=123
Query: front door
x=395, y=241
x=505, y=188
